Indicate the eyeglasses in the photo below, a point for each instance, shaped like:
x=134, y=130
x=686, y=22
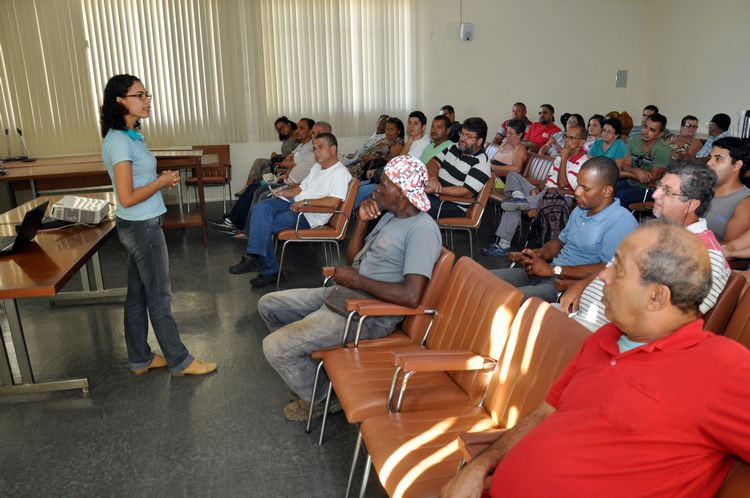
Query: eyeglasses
x=669, y=193
x=568, y=137
x=469, y=136
x=141, y=95
x=607, y=130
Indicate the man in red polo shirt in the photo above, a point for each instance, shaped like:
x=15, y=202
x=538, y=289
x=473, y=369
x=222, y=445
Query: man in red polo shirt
x=651, y=405
x=540, y=132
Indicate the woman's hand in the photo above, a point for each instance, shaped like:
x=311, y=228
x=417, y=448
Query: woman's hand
x=169, y=179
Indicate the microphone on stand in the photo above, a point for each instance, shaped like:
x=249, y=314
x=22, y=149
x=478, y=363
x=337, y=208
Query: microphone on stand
x=25, y=158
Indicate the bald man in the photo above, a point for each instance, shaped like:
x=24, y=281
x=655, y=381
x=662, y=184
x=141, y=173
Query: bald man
x=651, y=405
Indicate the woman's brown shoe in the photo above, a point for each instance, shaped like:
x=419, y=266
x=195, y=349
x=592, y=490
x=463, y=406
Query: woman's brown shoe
x=197, y=367
x=157, y=361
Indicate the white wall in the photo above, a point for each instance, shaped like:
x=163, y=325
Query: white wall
x=698, y=63
x=686, y=56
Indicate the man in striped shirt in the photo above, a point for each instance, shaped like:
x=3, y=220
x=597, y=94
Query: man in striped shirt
x=683, y=196
x=460, y=171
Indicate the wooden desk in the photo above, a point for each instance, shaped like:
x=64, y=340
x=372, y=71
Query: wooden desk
x=78, y=172
x=42, y=269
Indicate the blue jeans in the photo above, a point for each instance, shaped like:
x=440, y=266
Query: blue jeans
x=629, y=194
x=541, y=287
x=366, y=188
x=449, y=210
x=242, y=206
x=270, y=216
x=149, y=296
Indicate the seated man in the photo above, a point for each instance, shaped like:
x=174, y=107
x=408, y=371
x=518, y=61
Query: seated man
x=645, y=163
x=518, y=111
x=540, y=132
x=594, y=230
x=563, y=177
x=729, y=214
x=303, y=159
x=394, y=263
x=455, y=127
x=325, y=186
x=648, y=111
x=718, y=128
x=682, y=197
x=459, y=171
x=652, y=405
x=417, y=140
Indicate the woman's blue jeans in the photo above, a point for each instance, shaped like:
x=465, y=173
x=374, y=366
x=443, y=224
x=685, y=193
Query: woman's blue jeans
x=149, y=296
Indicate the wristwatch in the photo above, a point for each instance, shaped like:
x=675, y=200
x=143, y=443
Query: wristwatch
x=305, y=203
x=557, y=270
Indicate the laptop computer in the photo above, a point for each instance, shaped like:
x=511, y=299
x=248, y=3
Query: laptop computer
x=29, y=227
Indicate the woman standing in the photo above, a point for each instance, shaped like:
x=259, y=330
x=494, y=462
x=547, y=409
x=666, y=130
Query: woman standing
x=132, y=169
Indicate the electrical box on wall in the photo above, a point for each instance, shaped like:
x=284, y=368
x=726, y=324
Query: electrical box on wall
x=621, y=79
x=467, y=31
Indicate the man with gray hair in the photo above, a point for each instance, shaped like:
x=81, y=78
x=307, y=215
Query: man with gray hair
x=682, y=196
x=652, y=403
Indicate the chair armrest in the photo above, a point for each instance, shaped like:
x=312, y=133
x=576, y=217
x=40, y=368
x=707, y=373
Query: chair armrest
x=473, y=443
x=351, y=304
x=441, y=360
x=328, y=271
x=376, y=307
x=455, y=198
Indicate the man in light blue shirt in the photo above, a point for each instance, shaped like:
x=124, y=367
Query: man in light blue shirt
x=718, y=128
x=589, y=240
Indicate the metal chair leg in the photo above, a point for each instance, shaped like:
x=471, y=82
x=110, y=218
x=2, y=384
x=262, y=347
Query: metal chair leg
x=471, y=244
x=312, y=398
x=281, y=263
x=357, y=447
x=338, y=253
x=325, y=414
x=365, y=476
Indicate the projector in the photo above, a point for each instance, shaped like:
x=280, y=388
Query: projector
x=72, y=208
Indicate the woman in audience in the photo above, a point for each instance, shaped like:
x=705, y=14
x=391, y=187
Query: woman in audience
x=610, y=145
x=383, y=151
x=557, y=142
x=512, y=153
x=685, y=144
x=596, y=123
x=285, y=128
x=132, y=169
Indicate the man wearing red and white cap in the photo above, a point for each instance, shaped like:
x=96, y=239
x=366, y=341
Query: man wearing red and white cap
x=394, y=262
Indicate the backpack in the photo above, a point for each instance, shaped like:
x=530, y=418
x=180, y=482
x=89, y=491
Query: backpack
x=551, y=216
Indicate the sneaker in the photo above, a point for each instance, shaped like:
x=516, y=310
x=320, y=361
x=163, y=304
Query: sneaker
x=495, y=250
x=247, y=264
x=516, y=203
x=298, y=410
x=264, y=280
x=222, y=224
x=197, y=367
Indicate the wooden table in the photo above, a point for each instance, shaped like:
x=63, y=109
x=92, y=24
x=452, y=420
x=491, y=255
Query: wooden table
x=82, y=172
x=41, y=269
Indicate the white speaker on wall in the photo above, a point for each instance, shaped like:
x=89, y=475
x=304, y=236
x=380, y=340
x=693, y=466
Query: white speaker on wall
x=467, y=31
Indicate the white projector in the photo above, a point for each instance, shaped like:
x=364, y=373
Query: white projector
x=76, y=209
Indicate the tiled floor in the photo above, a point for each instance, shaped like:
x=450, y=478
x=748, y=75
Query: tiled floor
x=220, y=435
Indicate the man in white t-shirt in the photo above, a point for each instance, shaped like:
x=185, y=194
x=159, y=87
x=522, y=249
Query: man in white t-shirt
x=325, y=186
x=418, y=139
x=563, y=176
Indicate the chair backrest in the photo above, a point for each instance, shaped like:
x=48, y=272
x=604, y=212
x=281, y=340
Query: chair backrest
x=537, y=167
x=215, y=159
x=475, y=211
x=738, y=327
x=339, y=221
x=717, y=317
x=474, y=314
x=415, y=326
x=541, y=343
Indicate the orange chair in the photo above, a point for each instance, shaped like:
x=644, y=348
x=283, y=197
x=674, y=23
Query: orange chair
x=331, y=233
x=717, y=317
x=413, y=329
x=472, y=219
x=217, y=170
x=415, y=453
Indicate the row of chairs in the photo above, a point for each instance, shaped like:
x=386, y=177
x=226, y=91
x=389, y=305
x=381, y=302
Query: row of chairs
x=466, y=360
